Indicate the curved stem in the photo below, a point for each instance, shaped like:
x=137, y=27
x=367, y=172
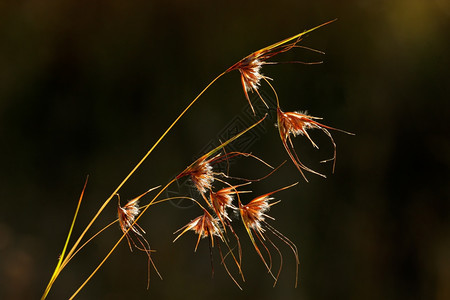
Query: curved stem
x=153, y=201
x=274, y=91
x=63, y=260
x=74, y=247
x=121, y=238
x=144, y=158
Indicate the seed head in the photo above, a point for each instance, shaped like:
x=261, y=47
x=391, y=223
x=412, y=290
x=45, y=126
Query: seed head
x=223, y=199
x=133, y=232
x=205, y=226
x=253, y=213
x=202, y=176
x=201, y=173
x=220, y=201
x=297, y=123
x=251, y=74
x=127, y=215
x=250, y=66
x=250, y=69
x=253, y=216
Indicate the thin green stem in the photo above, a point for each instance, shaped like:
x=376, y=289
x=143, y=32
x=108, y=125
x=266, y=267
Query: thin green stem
x=62, y=259
x=153, y=201
x=121, y=238
x=74, y=247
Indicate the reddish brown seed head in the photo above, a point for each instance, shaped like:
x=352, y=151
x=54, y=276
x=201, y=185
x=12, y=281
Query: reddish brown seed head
x=201, y=174
x=221, y=200
x=251, y=76
x=250, y=69
x=205, y=226
x=253, y=213
x=127, y=214
x=250, y=66
x=297, y=123
x=284, y=125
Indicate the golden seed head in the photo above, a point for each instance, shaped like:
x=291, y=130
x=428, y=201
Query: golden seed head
x=251, y=73
x=127, y=214
x=204, y=226
x=202, y=176
x=295, y=123
x=221, y=200
x=253, y=213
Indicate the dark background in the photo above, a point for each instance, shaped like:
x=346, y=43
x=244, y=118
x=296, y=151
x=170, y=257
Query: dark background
x=86, y=87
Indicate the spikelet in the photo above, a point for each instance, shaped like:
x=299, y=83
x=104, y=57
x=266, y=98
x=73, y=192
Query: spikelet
x=253, y=217
x=204, y=226
x=223, y=199
x=297, y=123
x=133, y=232
x=201, y=174
x=251, y=65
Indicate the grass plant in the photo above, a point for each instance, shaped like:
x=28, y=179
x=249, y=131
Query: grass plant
x=219, y=193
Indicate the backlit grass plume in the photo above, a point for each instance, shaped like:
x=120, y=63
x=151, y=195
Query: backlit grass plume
x=251, y=65
x=297, y=123
x=224, y=201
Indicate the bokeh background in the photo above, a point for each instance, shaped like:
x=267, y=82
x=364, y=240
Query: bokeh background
x=87, y=86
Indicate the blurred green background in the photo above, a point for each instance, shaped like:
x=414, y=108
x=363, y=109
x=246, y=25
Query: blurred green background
x=87, y=86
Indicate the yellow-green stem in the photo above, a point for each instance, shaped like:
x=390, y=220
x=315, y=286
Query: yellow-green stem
x=73, y=249
x=121, y=238
x=154, y=199
x=61, y=257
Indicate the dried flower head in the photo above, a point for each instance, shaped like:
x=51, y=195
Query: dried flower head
x=208, y=226
x=251, y=65
x=204, y=226
x=201, y=173
x=223, y=199
x=254, y=212
x=253, y=217
x=251, y=76
x=127, y=216
x=297, y=123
